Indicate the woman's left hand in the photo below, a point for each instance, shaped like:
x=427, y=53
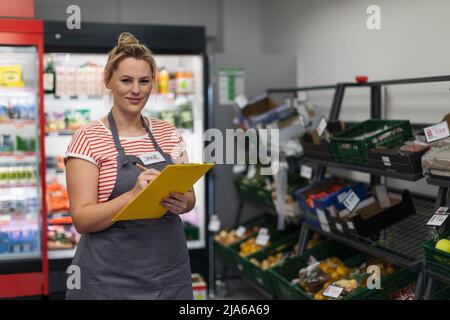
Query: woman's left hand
x=176, y=203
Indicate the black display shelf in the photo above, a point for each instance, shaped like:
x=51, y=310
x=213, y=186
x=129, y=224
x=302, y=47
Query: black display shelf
x=438, y=276
x=396, y=245
x=439, y=181
x=352, y=167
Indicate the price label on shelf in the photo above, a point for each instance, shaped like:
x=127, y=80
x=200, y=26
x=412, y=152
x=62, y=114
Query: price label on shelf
x=322, y=126
x=306, y=172
x=437, y=220
x=239, y=168
x=302, y=96
x=240, y=231
x=442, y=210
x=437, y=132
x=386, y=161
x=214, y=224
x=341, y=197
x=302, y=121
x=251, y=173
x=263, y=237
x=351, y=201
x=333, y=292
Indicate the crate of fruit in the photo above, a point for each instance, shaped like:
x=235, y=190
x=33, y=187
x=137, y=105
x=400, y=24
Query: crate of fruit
x=330, y=272
x=255, y=190
x=256, y=266
x=257, y=243
x=226, y=238
x=284, y=277
x=352, y=145
x=437, y=254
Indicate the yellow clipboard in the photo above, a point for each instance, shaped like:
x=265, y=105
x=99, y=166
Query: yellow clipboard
x=173, y=178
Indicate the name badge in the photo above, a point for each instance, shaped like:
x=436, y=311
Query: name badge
x=151, y=157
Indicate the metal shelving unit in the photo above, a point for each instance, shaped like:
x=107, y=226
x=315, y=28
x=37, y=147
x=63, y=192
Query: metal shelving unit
x=400, y=243
x=379, y=172
x=442, y=199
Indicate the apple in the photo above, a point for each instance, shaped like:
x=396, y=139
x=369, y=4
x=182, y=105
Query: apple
x=443, y=245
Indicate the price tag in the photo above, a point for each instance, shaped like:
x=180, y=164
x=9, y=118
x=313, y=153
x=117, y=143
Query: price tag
x=214, y=224
x=312, y=260
x=333, y=292
x=263, y=237
x=240, y=231
x=238, y=168
x=350, y=225
x=322, y=126
x=386, y=161
x=442, y=210
x=437, y=132
x=302, y=96
x=339, y=227
x=437, y=220
x=306, y=172
x=251, y=173
x=351, y=201
x=241, y=101
x=341, y=197
x=302, y=121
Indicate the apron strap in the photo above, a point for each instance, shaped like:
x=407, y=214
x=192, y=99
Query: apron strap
x=122, y=156
x=112, y=125
x=150, y=134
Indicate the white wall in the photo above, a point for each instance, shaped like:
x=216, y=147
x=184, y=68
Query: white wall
x=231, y=25
x=333, y=44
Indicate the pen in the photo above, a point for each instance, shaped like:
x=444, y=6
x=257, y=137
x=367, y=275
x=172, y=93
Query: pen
x=137, y=164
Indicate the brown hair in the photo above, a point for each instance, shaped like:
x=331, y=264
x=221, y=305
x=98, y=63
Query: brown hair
x=128, y=47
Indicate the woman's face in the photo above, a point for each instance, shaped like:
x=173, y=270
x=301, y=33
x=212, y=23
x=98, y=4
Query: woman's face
x=131, y=84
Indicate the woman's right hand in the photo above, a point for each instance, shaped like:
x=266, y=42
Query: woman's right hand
x=143, y=180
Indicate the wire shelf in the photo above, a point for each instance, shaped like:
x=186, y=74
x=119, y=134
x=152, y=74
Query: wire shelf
x=400, y=243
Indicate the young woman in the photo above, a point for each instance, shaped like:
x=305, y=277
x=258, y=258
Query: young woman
x=139, y=259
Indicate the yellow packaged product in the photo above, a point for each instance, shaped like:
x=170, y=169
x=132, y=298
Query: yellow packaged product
x=11, y=76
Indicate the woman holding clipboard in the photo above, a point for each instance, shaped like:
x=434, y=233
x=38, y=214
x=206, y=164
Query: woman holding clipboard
x=137, y=259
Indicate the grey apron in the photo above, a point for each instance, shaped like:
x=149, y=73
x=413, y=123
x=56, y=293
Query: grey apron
x=138, y=259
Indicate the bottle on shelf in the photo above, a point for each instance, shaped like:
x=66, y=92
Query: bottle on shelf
x=50, y=77
x=184, y=82
x=163, y=81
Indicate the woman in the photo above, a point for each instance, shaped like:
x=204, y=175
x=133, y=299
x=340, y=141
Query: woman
x=140, y=259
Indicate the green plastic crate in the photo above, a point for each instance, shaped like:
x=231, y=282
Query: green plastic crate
x=254, y=193
x=443, y=293
x=437, y=260
x=276, y=238
x=346, y=148
x=282, y=275
x=229, y=253
x=256, y=273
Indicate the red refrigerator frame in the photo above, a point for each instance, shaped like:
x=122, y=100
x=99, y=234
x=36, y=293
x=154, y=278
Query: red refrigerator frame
x=16, y=32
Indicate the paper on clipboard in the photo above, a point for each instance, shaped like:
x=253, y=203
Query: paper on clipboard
x=173, y=178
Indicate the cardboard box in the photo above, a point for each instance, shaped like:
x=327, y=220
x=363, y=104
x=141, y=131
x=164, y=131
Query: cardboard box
x=372, y=218
x=258, y=105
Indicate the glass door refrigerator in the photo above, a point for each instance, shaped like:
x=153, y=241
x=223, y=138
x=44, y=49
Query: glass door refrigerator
x=73, y=73
x=23, y=254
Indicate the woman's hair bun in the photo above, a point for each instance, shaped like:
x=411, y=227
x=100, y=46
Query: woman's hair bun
x=126, y=38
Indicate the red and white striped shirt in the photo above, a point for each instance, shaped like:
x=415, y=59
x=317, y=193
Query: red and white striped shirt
x=94, y=143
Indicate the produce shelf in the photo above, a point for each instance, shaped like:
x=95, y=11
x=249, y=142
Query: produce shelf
x=396, y=245
x=438, y=276
x=377, y=172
